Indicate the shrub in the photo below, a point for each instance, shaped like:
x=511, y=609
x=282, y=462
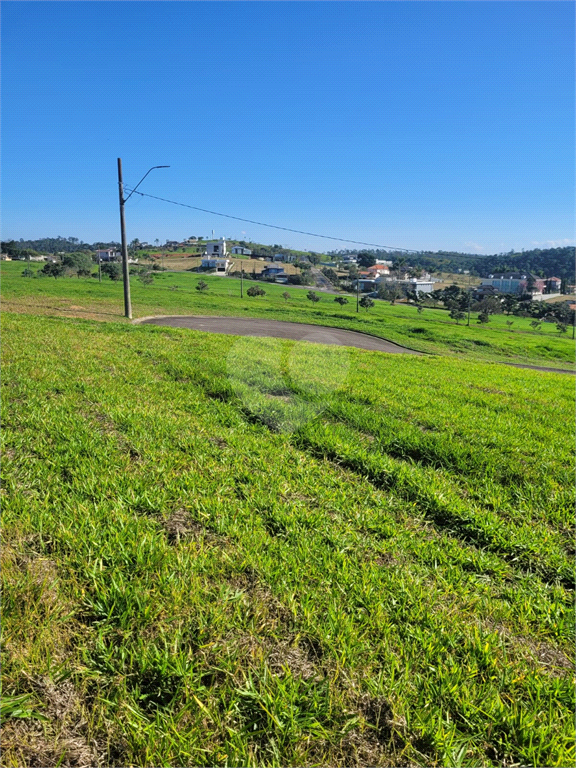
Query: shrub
x=366, y=302
x=255, y=290
x=202, y=286
x=313, y=296
x=285, y=295
x=113, y=270
x=341, y=300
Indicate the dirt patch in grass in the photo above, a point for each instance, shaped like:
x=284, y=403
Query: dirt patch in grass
x=219, y=442
x=62, y=740
x=548, y=658
x=489, y=390
x=107, y=427
x=181, y=525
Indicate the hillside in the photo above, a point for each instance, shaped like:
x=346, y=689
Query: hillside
x=254, y=552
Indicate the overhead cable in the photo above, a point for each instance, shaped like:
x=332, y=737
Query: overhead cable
x=272, y=226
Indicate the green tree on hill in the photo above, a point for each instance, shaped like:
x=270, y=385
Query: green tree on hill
x=341, y=300
x=201, y=286
x=312, y=296
x=366, y=259
x=81, y=263
x=53, y=269
x=255, y=290
x=113, y=270
x=366, y=303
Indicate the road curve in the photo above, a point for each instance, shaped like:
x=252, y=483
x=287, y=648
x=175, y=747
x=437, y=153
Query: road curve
x=249, y=326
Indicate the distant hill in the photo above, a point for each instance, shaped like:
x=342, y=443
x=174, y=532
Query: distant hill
x=544, y=262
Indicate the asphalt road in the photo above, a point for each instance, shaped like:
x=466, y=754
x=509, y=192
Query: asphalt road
x=246, y=326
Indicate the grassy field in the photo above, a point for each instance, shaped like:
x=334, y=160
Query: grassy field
x=224, y=552
x=432, y=331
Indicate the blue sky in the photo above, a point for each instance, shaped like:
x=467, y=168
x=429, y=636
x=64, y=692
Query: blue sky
x=424, y=125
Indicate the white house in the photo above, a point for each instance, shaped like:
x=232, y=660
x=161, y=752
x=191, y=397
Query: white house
x=220, y=265
x=241, y=251
x=216, y=248
x=108, y=254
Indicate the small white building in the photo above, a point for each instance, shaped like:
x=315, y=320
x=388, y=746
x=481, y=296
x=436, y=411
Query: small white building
x=216, y=248
x=241, y=251
x=420, y=286
x=220, y=265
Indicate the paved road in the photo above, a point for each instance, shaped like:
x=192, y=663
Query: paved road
x=246, y=326
x=541, y=368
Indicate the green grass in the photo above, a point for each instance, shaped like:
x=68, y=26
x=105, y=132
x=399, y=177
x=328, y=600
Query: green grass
x=172, y=293
x=224, y=551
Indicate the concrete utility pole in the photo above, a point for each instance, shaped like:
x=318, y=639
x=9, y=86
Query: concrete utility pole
x=357, y=294
x=125, y=272
x=241, y=280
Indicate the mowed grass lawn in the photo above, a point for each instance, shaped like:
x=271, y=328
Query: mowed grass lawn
x=256, y=552
x=174, y=293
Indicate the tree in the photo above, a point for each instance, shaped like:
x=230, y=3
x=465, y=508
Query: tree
x=398, y=265
x=483, y=317
x=28, y=272
x=341, y=300
x=366, y=302
x=561, y=327
x=457, y=314
x=255, y=290
x=536, y=324
x=331, y=275
x=202, y=286
x=509, y=303
x=389, y=292
x=509, y=323
x=113, y=270
x=366, y=259
x=146, y=277
x=81, y=263
x=53, y=269
x=285, y=295
x=312, y=296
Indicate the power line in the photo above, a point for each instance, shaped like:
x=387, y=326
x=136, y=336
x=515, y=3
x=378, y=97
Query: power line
x=272, y=226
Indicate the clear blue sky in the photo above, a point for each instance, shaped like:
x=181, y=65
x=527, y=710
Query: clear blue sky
x=425, y=125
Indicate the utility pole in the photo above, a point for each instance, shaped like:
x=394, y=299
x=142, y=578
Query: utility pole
x=99, y=268
x=357, y=294
x=125, y=273
x=241, y=280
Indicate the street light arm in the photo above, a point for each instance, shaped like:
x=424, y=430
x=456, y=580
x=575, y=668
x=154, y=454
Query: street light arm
x=142, y=179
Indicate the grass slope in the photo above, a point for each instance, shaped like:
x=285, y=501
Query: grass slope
x=432, y=331
x=225, y=551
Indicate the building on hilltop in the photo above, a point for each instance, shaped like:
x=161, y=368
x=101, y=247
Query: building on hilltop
x=216, y=248
x=238, y=249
